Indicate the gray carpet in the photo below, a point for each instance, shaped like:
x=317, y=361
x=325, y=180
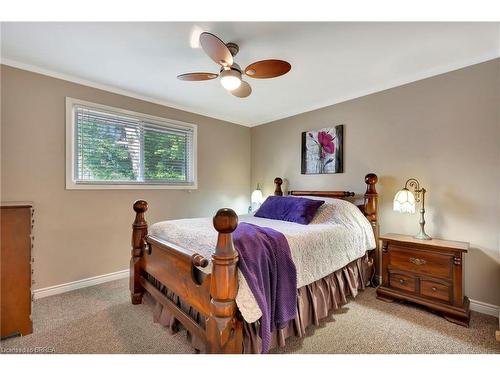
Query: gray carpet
x=101, y=319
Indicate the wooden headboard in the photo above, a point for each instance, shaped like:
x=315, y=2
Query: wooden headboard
x=369, y=206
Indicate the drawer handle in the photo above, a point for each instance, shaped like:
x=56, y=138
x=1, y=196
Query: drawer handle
x=401, y=281
x=434, y=288
x=417, y=261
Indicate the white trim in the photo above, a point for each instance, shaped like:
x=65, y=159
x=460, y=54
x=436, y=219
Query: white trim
x=84, y=283
x=478, y=306
x=296, y=111
x=378, y=88
x=111, y=89
x=484, y=308
x=70, y=152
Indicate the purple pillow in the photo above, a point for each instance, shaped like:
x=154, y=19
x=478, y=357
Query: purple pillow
x=295, y=209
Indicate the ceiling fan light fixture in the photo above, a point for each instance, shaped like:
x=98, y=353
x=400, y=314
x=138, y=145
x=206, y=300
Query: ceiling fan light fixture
x=230, y=79
x=230, y=72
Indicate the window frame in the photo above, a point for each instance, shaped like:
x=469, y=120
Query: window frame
x=72, y=184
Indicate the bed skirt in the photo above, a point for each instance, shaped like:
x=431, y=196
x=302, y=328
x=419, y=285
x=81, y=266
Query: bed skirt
x=315, y=302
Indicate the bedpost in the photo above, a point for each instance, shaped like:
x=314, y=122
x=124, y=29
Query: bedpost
x=139, y=232
x=370, y=209
x=277, y=183
x=224, y=330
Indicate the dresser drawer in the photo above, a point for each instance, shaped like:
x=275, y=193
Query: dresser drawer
x=435, y=290
x=402, y=281
x=421, y=262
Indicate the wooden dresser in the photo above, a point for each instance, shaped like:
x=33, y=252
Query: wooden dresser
x=16, y=241
x=427, y=272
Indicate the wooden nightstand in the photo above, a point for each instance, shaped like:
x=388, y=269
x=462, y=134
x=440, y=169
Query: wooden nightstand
x=427, y=272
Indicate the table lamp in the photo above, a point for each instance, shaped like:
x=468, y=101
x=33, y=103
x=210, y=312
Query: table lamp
x=256, y=199
x=404, y=201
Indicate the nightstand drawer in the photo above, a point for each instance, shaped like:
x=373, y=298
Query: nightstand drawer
x=425, y=263
x=436, y=290
x=402, y=281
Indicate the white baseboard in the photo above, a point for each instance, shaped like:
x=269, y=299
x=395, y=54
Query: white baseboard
x=485, y=308
x=482, y=307
x=66, y=287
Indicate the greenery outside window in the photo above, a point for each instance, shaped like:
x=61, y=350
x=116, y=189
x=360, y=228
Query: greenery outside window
x=111, y=148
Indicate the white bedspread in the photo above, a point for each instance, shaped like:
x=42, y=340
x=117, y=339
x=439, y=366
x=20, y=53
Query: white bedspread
x=338, y=234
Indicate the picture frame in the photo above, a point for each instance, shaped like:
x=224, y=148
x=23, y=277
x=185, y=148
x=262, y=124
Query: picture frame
x=323, y=151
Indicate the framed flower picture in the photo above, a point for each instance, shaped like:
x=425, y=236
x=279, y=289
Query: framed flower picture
x=322, y=151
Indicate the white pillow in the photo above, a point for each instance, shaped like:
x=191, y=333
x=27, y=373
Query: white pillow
x=336, y=211
x=341, y=212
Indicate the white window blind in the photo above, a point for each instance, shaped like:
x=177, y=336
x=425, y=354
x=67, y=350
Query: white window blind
x=116, y=148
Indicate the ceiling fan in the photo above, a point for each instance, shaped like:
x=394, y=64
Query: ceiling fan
x=230, y=73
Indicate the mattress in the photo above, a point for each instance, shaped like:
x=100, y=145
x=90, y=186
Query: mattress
x=338, y=234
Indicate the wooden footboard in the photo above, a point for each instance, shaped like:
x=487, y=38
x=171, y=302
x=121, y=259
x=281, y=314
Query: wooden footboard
x=213, y=295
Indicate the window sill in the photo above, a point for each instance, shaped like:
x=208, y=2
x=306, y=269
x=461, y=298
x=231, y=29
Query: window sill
x=74, y=186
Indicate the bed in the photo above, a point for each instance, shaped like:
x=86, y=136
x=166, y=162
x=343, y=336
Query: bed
x=190, y=268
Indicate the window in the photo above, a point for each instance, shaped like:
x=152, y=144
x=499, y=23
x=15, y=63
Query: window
x=111, y=148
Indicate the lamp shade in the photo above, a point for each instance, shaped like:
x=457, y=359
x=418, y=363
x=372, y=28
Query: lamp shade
x=257, y=196
x=404, y=201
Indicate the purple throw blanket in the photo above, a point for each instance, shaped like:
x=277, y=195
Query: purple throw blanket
x=266, y=263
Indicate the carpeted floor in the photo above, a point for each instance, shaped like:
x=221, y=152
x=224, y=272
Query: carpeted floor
x=101, y=319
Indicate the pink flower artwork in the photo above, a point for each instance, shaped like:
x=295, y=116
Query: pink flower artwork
x=320, y=151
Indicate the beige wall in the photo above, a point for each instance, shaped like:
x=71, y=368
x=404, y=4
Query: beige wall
x=80, y=233
x=444, y=130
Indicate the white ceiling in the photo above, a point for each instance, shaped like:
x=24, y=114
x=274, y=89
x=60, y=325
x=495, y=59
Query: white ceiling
x=331, y=62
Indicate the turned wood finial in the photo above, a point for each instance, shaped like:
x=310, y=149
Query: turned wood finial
x=371, y=180
x=278, y=181
x=140, y=206
x=139, y=225
x=225, y=220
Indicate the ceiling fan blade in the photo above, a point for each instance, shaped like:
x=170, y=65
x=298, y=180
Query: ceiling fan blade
x=243, y=91
x=197, y=76
x=267, y=69
x=216, y=49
